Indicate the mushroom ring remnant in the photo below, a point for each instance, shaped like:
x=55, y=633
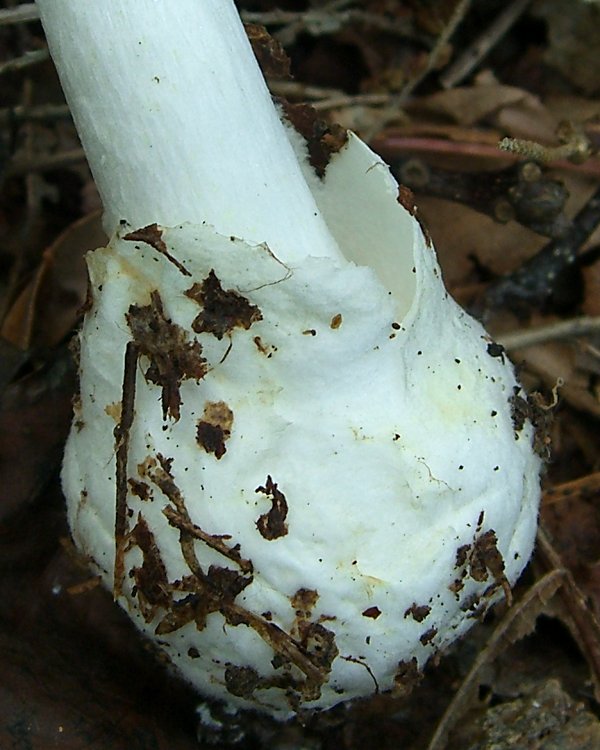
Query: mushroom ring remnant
x=301, y=481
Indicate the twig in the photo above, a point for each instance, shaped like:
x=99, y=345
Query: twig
x=324, y=98
x=44, y=163
x=344, y=100
x=521, y=192
x=25, y=61
x=534, y=282
x=574, y=146
x=458, y=14
x=280, y=17
x=580, y=620
x=11, y=361
x=390, y=144
x=565, y=329
x=34, y=190
x=583, y=487
x=475, y=53
x=42, y=113
x=122, y=436
x=301, y=91
x=324, y=20
x=576, y=614
x=20, y=14
x=398, y=101
x=328, y=20
x=533, y=601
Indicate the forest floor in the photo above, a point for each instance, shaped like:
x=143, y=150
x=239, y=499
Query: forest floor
x=434, y=87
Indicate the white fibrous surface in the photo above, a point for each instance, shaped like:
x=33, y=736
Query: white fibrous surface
x=312, y=477
x=200, y=121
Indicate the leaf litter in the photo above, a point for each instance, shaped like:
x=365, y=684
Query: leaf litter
x=351, y=61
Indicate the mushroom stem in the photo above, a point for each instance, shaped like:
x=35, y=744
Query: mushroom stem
x=177, y=122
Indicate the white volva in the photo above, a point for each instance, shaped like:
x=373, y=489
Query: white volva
x=301, y=473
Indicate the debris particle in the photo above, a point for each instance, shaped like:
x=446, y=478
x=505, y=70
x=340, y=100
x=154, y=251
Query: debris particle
x=267, y=349
x=152, y=235
x=151, y=582
x=272, y=525
x=241, y=681
x=173, y=357
x=418, y=613
x=407, y=677
x=322, y=139
x=303, y=602
x=336, y=322
x=540, y=414
x=496, y=350
x=406, y=198
x=140, y=489
x=372, y=612
x=114, y=411
x=519, y=410
x=214, y=428
x=223, y=310
x=479, y=560
x=319, y=643
x=428, y=636
x=270, y=54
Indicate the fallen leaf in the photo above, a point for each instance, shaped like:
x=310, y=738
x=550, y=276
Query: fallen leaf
x=47, y=308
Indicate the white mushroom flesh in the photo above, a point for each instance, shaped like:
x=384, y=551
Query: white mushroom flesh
x=314, y=469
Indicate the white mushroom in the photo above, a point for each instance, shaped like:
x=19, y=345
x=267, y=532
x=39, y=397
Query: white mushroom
x=300, y=467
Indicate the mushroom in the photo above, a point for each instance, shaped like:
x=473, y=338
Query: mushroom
x=297, y=463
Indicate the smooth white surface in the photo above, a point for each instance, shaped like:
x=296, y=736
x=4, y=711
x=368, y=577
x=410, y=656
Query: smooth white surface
x=177, y=122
